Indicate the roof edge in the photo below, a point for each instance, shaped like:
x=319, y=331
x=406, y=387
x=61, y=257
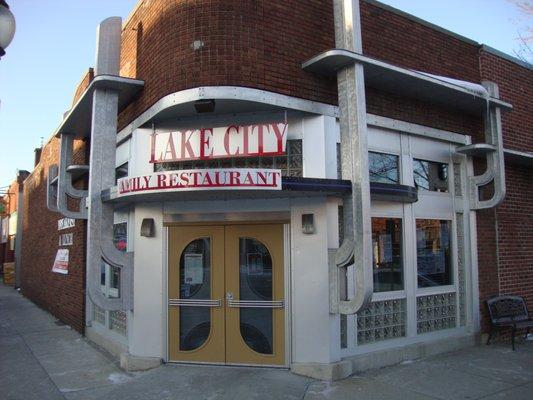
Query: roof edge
x=440, y=29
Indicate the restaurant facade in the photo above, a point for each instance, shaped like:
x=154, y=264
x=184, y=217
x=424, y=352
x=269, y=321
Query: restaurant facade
x=319, y=186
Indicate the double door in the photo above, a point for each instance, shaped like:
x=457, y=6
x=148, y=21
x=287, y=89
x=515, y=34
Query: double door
x=226, y=294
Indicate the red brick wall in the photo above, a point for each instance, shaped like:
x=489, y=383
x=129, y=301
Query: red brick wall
x=62, y=295
x=84, y=84
x=251, y=43
x=511, y=222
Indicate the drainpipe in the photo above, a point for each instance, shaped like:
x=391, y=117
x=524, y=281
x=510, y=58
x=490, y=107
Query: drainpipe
x=100, y=245
x=356, y=247
x=492, y=149
x=18, y=238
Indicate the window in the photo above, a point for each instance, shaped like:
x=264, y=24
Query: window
x=433, y=252
x=383, y=167
x=387, y=254
x=116, y=321
x=430, y=175
x=120, y=236
x=290, y=164
x=110, y=280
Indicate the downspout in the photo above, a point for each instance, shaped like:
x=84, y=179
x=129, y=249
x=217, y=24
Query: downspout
x=495, y=160
x=65, y=189
x=356, y=247
x=18, y=237
x=100, y=245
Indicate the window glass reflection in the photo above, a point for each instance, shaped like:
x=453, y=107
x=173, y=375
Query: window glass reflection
x=433, y=252
x=430, y=175
x=387, y=254
x=383, y=167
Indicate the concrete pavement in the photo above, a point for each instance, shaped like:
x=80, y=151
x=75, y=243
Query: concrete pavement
x=40, y=358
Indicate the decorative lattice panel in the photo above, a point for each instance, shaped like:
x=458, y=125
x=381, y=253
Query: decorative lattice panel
x=461, y=269
x=118, y=322
x=383, y=320
x=436, y=312
x=98, y=314
x=457, y=182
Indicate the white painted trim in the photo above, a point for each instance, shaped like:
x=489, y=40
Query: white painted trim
x=288, y=284
x=227, y=93
x=417, y=130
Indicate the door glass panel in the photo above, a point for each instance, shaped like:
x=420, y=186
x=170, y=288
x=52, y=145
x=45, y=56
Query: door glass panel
x=255, y=283
x=195, y=283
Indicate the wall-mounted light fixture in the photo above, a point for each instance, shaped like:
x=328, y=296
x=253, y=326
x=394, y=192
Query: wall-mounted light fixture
x=148, y=227
x=204, y=106
x=7, y=26
x=308, y=224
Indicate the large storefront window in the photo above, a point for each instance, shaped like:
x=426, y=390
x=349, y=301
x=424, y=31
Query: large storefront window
x=383, y=167
x=433, y=252
x=430, y=175
x=387, y=254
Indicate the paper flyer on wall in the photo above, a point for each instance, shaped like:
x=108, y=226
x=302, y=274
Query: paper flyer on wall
x=61, y=262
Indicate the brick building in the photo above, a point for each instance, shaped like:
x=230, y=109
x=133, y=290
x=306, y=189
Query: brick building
x=201, y=187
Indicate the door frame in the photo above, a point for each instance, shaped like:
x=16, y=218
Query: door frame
x=287, y=276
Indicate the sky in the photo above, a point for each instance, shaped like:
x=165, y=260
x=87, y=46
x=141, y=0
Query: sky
x=54, y=45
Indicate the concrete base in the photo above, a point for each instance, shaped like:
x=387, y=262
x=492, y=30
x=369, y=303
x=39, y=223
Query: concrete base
x=396, y=355
x=136, y=363
x=326, y=372
x=114, y=347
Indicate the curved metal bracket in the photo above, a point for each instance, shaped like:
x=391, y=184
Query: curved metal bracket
x=493, y=151
x=356, y=247
x=65, y=188
x=100, y=247
x=51, y=188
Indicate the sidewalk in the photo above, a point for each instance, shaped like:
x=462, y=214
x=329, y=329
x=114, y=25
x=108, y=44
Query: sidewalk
x=40, y=358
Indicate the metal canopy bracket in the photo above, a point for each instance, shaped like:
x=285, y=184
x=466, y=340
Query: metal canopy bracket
x=77, y=122
x=356, y=247
x=492, y=149
x=402, y=81
x=104, y=105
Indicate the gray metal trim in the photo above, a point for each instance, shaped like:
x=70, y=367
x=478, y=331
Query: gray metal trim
x=256, y=304
x=332, y=61
x=103, y=123
x=495, y=171
x=417, y=130
x=221, y=93
x=65, y=188
x=77, y=121
x=194, y=302
x=356, y=247
x=506, y=56
x=51, y=187
x=522, y=158
x=477, y=149
x=422, y=22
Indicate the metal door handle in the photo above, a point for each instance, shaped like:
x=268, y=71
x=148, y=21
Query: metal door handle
x=195, y=302
x=256, y=304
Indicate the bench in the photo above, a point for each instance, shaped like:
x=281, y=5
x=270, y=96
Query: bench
x=508, y=312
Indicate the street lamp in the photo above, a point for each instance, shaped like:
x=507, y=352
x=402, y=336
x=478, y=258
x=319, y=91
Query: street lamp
x=7, y=26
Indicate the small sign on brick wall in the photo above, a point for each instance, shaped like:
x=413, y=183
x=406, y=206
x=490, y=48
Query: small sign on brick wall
x=61, y=262
x=66, y=239
x=65, y=223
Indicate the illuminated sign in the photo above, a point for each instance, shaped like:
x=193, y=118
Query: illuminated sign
x=258, y=140
x=201, y=179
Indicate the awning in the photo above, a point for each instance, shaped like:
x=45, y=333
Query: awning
x=404, y=82
x=78, y=120
x=291, y=187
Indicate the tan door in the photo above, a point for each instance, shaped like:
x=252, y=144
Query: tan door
x=196, y=294
x=255, y=295
x=226, y=294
